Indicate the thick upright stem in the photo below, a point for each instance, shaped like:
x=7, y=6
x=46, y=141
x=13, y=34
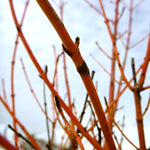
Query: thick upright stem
x=137, y=98
x=82, y=69
x=139, y=120
x=112, y=78
x=98, y=108
x=50, y=86
x=73, y=52
x=111, y=91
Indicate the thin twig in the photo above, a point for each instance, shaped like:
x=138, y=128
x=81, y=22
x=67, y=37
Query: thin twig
x=138, y=42
x=133, y=71
x=123, y=125
x=74, y=137
x=119, y=148
x=114, y=47
x=105, y=70
x=96, y=124
x=93, y=7
x=138, y=3
x=147, y=106
x=4, y=91
x=120, y=35
x=19, y=123
x=31, y=89
x=121, y=14
x=46, y=114
x=145, y=65
x=12, y=69
x=101, y=49
x=122, y=91
x=80, y=65
x=108, y=108
x=124, y=134
x=145, y=88
x=86, y=99
x=21, y=136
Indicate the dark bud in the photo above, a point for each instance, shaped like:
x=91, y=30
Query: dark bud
x=83, y=69
x=66, y=50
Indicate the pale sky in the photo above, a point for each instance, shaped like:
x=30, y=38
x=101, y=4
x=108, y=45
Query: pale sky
x=80, y=20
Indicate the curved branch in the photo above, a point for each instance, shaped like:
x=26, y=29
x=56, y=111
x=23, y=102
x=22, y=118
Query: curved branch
x=50, y=86
x=73, y=51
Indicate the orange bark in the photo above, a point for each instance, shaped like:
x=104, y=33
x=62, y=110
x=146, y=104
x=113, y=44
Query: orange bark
x=76, y=57
x=19, y=123
x=137, y=89
x=12, y=72
x=50, y=86
x=6, y=144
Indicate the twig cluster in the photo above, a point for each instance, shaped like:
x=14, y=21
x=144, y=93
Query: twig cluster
x=99, y=129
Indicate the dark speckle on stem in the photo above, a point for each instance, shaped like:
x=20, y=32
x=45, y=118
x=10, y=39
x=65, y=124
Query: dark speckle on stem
x=83, y=69
x=66, y=50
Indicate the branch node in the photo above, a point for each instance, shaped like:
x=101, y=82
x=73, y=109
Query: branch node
x=66, y=50
x=18, y=28
x=83, y=69
x=58, y=104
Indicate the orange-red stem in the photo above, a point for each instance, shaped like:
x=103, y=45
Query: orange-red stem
x=145, y=65
x=6, y=144
x=50, y=86
x=115, y=47
x=12, y=72
x=76, y=57
x=139, y=120
x=19, y=123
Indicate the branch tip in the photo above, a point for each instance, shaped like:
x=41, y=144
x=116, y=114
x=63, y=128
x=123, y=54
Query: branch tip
x=77, y=41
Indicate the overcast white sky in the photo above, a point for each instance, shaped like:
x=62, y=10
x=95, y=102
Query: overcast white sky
x=80, y=20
